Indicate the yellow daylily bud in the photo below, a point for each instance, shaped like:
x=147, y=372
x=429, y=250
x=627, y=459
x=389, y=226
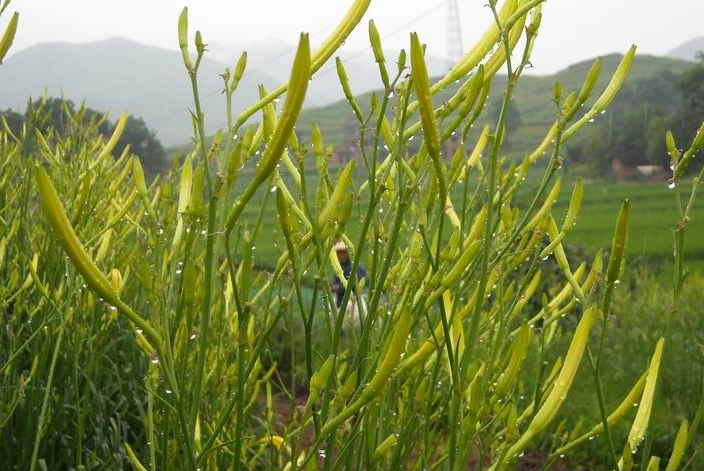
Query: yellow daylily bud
x=138, y=466
x=8, y=36
x=239, y=68
x=317, y=140
x=384, y=448
x=332, y=207
x=138, y=175
x=607, y=95
x=319, y=380
x=476, y=83
x=116, y=280
x=196, y=203
x=518, y=354
x=297, y=87
x=421, y=83
x=618, y=247
x=679, y=447
x=540, y=215
x=94, y=278
x=345, y=83
x=561, y=387
x=183, y=38
x=640, y=423
x=697, y=144
x=200, y=45
x=112, y=142
x=375, y=42
x=401, y=61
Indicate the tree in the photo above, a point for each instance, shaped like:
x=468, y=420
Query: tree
x=14, y=120
x=656, y=152
x=144, y=143
x=633, y=129
x=59, y=115
x=691, y=114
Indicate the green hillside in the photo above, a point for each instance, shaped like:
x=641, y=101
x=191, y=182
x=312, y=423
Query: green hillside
x=533, y=100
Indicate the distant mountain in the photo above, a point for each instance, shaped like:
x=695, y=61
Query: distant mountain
x=151, y=82
x=688, y=50
x=148, y=82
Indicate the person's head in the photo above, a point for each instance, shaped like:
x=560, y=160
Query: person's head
x=341, y=251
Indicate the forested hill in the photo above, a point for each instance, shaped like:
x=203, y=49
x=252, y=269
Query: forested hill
x=534, y=109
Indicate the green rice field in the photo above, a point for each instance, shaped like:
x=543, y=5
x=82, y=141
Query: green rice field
x=652, y=205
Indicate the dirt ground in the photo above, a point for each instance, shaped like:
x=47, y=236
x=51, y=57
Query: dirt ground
x=529, y=462
x=534, y=461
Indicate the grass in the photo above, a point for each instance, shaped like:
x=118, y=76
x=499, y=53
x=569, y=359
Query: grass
x=642, y=309
x=653, y=218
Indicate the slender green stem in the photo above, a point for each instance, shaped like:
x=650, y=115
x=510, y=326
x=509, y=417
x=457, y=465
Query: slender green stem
x=47, y=393
x=150, y=430
x=595, y=366
x=209, y=249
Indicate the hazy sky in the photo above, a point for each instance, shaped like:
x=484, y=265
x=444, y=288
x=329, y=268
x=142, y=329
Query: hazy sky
x=572, y=30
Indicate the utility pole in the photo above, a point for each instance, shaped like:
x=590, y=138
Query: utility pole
x=454, y=34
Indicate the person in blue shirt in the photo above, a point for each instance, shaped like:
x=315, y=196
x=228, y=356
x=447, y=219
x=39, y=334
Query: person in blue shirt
x=344, y=258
